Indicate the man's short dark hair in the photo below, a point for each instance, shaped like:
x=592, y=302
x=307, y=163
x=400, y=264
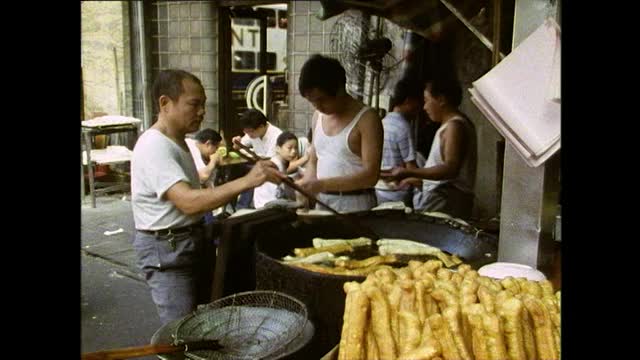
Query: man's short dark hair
x=323, y=73
x=284, y=137
x=252, y=119
x=447, y=87
x=169, y=83
x=205, y=135
x=406, y=88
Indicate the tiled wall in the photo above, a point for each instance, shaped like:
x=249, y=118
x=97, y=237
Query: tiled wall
x=307, y=35
x=184, y=36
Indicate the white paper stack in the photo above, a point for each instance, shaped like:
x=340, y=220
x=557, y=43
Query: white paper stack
x=111, y=120
x=521, y=95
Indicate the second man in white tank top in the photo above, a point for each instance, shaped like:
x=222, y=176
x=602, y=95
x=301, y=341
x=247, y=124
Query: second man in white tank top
x=347, y=139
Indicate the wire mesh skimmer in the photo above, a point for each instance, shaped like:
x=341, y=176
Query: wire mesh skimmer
x=248, y=325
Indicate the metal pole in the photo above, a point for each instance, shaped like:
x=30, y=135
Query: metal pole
x=497, y=20
x=146, y=103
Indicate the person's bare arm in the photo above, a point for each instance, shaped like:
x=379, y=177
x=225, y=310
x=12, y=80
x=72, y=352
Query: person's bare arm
x=454, y=147
x=301, y=161
x=195, y=201
x=410, y=164
x=371, y=138
x=205, y=172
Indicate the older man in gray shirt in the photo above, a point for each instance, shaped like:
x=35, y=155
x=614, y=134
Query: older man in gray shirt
x=168, y=202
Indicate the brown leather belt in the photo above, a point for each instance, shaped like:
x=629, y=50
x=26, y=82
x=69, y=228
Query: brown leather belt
x=352, y=192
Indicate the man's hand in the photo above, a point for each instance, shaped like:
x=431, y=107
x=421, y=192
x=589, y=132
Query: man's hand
x=397, y=173
x=236, y=139
x=262, y=172
x=214, y=159
x=313, y=186
x=409, y=182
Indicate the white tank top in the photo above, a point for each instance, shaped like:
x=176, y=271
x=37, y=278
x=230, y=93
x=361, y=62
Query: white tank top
x=336, y=159
x=466, y=177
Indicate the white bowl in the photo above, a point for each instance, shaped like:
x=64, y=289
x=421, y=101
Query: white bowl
x=501, y=270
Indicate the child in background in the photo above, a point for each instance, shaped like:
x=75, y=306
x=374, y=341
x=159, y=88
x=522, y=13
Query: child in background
x=286, y=151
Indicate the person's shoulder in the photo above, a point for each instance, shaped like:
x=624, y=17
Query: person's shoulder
x=152, y=142
x=274, y=129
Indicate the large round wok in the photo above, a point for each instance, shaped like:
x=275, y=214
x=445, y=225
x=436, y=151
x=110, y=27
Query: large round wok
x=322, y=293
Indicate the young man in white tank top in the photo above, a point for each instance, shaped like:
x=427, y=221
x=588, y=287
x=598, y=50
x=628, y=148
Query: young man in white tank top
x=347, y=137
x=448, y=176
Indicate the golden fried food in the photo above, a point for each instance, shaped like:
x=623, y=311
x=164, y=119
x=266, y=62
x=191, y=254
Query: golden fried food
x=444, y=337
x=371, y=261
x=463, y=269
x=444, y=298
x=547, y=287
x=394, y=296
x=495, y=341
x=409, y=331
x=361, y=241
x=487, y=298
x=432, y=266
x=532, y=288
x=543, y=328
x=510, y=312
x=491, y=284
x=428, y=352
x=474, y=314
x=511, y=285
x=372, y=346
x=452, y=318
x=421, y=304
x=381, y=323
x=334, y=249
x=447, y=285
x=528, y=336
x=456, y=279
x=355, y=323
x=444, y=274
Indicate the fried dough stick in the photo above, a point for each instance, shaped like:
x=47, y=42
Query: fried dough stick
x=487, y=298
x=432, y=266
x=385, y=275
x=368, y=262
x=354, y=323
x=463, y=269
x=452, y=318
x=510, y=312
x=394, y=295
x=372, y=347
x=510, y=284
x=478, y=335
x=545, y=342
x=381, y=323
x=495, y=341
x=490, y=283
x=409, y=332
x=422, y=289
x=444, y=337
x=444, y=274
x=528, y=335
x=468, y=296
x=532, y=288
x=444, y=298
x=447, y=285
x=334, y=249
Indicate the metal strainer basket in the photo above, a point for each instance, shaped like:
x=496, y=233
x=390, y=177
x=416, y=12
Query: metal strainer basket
x=248, y=325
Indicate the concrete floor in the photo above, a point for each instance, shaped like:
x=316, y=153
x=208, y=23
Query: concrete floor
x=116, y=306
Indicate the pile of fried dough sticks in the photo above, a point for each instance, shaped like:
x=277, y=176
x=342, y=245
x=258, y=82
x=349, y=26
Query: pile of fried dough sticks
x=424, y=311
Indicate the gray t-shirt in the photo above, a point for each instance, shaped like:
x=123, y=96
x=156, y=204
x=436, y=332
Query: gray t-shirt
x=157, y=164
